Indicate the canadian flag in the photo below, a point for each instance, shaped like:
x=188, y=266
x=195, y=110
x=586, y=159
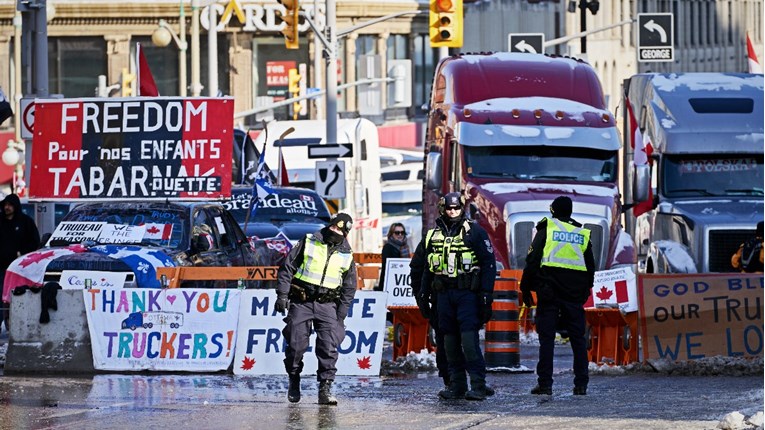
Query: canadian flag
x=642, y=150
x=29, y=269
x=158, y=231
x=754, y=65
x=146, y=85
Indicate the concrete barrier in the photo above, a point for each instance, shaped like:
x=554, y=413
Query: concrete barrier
x=60, y=346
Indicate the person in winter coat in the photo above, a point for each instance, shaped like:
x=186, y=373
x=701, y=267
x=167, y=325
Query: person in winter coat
x=18, y=236
x=748, y=257
x=395, y=247
x=317, y=283
x=560, y=267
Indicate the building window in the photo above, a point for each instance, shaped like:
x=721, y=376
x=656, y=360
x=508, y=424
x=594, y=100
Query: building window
x=397, y=47
x=424, y=64
x=74, y=64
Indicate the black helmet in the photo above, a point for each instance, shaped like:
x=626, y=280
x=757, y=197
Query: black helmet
x=450, y=201
x=561, y=207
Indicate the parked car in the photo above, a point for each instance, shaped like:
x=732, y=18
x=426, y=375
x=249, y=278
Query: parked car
x=124, y=242
x=402, y=202
x=280, y=220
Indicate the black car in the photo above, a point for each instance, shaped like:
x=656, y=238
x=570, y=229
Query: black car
x=280, y=219
x=135, y=238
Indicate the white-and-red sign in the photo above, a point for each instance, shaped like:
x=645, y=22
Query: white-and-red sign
x=132, y=148
x=614, y=288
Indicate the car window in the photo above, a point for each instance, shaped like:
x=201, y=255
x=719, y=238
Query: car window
x=226, y=230
x=203, y=237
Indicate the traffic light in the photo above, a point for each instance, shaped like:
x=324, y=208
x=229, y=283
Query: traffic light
x=294, y=82
x=126, y=79
x=446, y=23
x=290, y=20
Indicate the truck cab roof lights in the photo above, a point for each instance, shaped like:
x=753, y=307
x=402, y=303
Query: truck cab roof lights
x=537, y=113
x=559, y=115
x=606, y=118
x=516, y=113
x=467, y=112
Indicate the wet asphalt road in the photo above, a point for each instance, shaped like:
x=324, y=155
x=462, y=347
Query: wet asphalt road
x=222, y=401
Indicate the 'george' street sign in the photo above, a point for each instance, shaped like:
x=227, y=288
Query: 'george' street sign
x=330, y=150
x=655, y=37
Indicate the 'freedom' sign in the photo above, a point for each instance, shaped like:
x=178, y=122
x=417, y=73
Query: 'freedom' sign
x=137, y=148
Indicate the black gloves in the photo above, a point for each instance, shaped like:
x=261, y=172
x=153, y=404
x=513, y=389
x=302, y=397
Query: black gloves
x=484, y=307
x=281, y=305
x=528, y=298
x=424, y=305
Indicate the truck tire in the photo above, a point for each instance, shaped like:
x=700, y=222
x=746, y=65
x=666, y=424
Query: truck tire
x=133, y=327
x=398, y=334
x=626, y=337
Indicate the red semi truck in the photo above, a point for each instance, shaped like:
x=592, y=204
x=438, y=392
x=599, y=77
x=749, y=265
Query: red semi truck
x=513, y=132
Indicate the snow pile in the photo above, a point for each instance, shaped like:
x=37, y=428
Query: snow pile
x=738, y=421
x=424, y=361
x=3, y=350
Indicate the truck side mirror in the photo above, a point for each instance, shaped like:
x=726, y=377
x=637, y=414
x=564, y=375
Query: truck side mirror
x=433, y=171
x=641, y=180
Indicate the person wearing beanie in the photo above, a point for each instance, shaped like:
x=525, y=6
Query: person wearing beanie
x=560, y=268
x=316, y=285
x=457, y=286
x=748, y=257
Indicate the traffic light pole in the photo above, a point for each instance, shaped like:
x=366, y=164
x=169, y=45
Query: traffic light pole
x=331, y=72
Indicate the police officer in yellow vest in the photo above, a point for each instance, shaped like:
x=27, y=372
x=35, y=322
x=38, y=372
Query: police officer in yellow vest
x=460, y=270
x=560, y=267
x=317, y=283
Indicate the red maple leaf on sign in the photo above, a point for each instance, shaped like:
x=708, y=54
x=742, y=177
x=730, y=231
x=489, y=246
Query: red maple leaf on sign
x=153, y=230
x=364, y=363
x=604, y=293
x=247, y=363
x=35, y=258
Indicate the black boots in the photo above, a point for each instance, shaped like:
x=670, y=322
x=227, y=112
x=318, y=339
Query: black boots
x=293, y=393
x=580, y=391
x=540, y=390
x=479, y=392
x=457, y=388
x=325, y=393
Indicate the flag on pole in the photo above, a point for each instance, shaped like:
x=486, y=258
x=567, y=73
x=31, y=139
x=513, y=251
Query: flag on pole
x=754, y=65
x=642, y=150
x=146, y=85
x=262, y=184
x=284, y=177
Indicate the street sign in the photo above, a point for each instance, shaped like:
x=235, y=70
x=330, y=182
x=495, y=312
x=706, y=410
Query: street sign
x=532, y=43
x=330, y=150
x=27, y=117
x=330, y=179
x=656, y=37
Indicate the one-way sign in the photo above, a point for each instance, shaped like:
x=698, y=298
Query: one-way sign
x=330, y=150
x=655, y=37
x=532, y=43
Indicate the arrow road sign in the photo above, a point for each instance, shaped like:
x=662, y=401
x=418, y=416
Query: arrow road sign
x=655, y=37
x=330, y=179
x=330, y=150
x=532, y=43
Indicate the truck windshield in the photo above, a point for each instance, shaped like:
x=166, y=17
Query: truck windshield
x=541, y=163
x=707, y=175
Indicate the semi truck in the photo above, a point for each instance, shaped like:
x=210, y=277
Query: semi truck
x=699, y=194
x=513, y=132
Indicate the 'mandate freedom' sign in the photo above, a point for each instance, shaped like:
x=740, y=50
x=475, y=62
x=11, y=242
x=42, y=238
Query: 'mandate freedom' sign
x=143, y=149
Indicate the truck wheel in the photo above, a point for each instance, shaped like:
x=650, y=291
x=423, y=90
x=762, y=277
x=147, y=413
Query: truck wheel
x=626, y=337
x=432, y=336
x=150, y=325
x=588, y=336
x=133, y=327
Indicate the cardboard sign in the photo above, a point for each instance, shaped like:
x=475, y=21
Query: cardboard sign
x=76, y=232
x=132, y=148
x=614, y=288
x=398, y=283
x=162, y=329
x=260, y=344
x=692, y=316
x=120, y=233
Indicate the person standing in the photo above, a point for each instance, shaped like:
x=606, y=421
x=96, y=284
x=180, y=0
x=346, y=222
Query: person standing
x=748, y=257
x=560, y=267
x=18, y=236
x=316, y=284
x=395, y=247
x=460, y=271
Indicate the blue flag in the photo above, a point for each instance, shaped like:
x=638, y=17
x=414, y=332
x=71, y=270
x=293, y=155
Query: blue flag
x=263, y=182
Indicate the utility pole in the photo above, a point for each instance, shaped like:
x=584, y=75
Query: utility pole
x=331, y=72
x=584, y=5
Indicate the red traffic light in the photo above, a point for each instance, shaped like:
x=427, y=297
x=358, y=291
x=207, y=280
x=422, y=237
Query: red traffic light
x=444, y=5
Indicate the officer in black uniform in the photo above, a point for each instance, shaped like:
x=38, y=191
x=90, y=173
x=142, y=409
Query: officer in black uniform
x=560, y=267
x=460, y=270
x=317, y=283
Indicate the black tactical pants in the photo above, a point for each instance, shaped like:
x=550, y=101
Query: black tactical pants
x=573, y=319
x=329, y=334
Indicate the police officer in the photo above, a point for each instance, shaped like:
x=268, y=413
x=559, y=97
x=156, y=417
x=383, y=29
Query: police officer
x=560, y=268
x=317, y=283
x=460, y=270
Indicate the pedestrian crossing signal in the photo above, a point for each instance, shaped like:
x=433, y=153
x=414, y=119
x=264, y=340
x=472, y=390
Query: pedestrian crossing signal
x=446, y=23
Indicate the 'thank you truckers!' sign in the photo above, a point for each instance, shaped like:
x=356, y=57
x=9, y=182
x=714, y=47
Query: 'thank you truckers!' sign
x=137, y=148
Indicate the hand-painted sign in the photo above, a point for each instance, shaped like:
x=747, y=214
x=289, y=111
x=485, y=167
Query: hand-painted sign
x=692, y=316
x=143, y=148
x=162, y=329
x=398, y=283
x=260, y=344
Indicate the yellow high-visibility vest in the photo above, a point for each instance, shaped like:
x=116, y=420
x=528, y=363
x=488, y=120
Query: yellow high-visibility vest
x=321, y=268
x=450, y=256
x=565, y=245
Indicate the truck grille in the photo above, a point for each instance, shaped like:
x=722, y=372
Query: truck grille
x=522, y=239
x=722, y=245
